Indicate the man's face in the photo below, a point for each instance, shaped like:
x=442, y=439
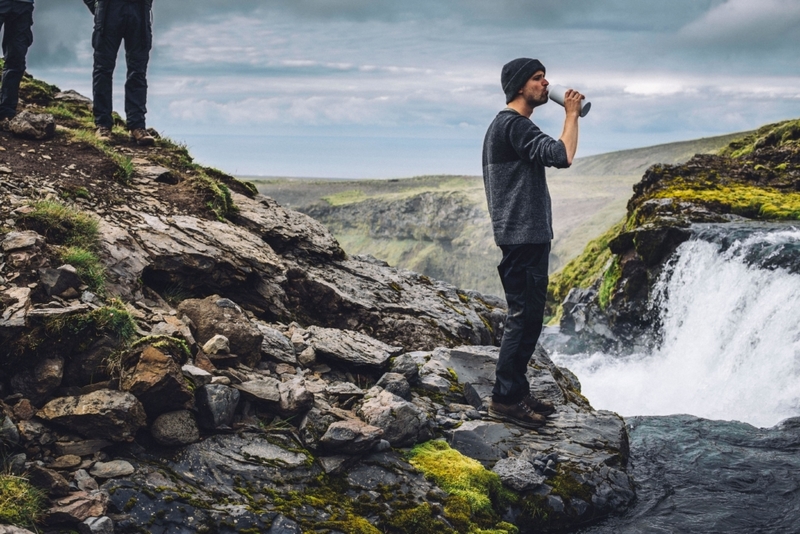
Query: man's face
x=535, y=90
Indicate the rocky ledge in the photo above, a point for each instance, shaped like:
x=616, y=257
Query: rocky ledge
x=180, y=354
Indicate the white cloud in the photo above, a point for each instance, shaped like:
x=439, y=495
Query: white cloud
x=746, y=23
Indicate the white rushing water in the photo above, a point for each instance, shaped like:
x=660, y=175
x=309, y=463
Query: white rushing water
x=731, y=340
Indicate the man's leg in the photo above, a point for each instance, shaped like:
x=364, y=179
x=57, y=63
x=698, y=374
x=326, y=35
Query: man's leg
x=138, y=41
x=523, y=272
x=17, y=38
x=106, y=39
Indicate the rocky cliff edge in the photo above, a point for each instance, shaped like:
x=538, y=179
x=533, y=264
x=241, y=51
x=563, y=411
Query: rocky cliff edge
x=181, y=354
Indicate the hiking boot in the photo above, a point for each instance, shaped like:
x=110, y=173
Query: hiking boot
x=103, y=134
x=518, y=414
x=541, y=407
x=142, y=137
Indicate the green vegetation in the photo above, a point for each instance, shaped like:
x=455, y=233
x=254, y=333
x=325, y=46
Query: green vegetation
x=123, y=163
x=351, y=196
x=580, y=272
x=476, y=494
x=216, y=195
x=20, y=503
x=88, y=265
x=609, y=283
x=78, y=114
x=779, y=134
x=36, y=91
x=61, y=224
x=741, y=199
x=171, y=345
x=113, y=319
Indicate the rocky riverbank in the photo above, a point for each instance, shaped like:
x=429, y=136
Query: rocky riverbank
x=181, y=354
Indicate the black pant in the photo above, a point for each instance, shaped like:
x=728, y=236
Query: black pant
x=523, y=272
x=115, y=21
x=17, y=38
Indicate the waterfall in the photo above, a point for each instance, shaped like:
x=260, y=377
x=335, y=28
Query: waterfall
x=729, y=303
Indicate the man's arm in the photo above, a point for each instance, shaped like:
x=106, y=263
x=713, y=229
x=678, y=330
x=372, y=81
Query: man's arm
x=91, y=4
x=569, y=136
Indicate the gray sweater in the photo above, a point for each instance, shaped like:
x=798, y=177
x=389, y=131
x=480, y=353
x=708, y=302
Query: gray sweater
x=515, y=153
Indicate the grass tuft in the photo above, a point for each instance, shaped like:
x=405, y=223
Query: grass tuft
x=123, y=163
x=21, y=504
x=88, y=266
x=62, y=224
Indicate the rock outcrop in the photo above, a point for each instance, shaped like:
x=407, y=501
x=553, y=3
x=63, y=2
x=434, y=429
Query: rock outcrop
x=183, y=355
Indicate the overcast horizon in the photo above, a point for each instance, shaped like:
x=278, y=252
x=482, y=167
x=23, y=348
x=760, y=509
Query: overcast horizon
x=378, y=89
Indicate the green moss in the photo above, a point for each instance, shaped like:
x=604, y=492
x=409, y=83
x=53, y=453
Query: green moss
x=36, y=91
x=216, y=195
x=609, y=283
x=88, y=265
x=79, y=114
x=418, y=520
x=746, y=200
x=113, y=319
x=349, y=524
x=777, y=134
x=565, y=485
x=341, y=198
x=20, y=503
x=468, y=483
x=130, y=504
x=581, y=271
x=61, y=224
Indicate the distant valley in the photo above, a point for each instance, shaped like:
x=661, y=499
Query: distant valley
x=439, y=225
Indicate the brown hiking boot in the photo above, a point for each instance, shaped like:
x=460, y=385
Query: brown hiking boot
x=518, y=414
x=142, y=137
x=103, y=134
x=538, y=406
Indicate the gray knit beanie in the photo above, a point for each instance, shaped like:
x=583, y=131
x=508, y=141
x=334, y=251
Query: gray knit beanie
x=516, y=73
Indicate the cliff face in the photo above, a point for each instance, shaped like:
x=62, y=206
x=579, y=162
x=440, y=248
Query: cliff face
x=757, y=178
x=181, y=354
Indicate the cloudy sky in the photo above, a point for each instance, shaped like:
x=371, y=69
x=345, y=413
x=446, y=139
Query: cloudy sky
x=381, y=88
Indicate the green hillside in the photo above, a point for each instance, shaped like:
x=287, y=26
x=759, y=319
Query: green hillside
x=438, y=225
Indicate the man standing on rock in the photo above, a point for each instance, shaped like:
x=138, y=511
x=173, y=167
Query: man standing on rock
x=16, y=18
x=115, y=21
x=515, y=154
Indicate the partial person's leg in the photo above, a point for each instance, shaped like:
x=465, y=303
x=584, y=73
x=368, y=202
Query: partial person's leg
x=106, y=39
x=138, y=41
x=523, y=272
x=17, y=38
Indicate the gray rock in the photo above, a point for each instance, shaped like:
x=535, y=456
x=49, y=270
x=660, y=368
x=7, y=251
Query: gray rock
x=402, y=422
x=21, y=240
x=84, y=481
x=39, y=383
x=395, y=383
x=198, y=376
x=518, y=474
x=97, y=525
x=29, y=125
x=11, y=529
x=73, y=96
x=314, y=425
x=49, y=481
x=112, y=469
x=58, y=281
x=295, y=397
x=264, y=451
x=216, y=406
x=104, y=414
x=352, y=436
x=218, y=344
x=350, y=348
x=16, y=463
x=175, y=429
x=156, y=173
x=77, y=507
x=210, y=319
x=409, y=364
x=276, y=346
x=8, y=432
x=265, y=389
x=307, y=357
x=283, y=525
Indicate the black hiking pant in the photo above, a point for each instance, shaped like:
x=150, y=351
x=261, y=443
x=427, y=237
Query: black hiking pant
x=115, y=21
x=17, y=38
x=523, y=272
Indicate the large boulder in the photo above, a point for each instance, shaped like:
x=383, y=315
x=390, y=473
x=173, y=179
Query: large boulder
x=158, y=382
x=104, y=414
x=350, y=348
x=29, y=125
x=402, y=422
x=351, y=436
x=216, y=315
